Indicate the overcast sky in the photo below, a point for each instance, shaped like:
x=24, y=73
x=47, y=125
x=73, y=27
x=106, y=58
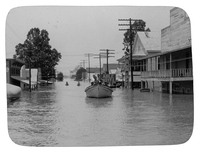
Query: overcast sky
x=75, y=31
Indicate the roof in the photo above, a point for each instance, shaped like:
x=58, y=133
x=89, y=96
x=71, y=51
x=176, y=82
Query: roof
x=111, y=66
x=167, y=52
x=75, y=69
x=16, y=61
x=93, y=70
x=150, y=40
x=134, y=57
x=121, y=60
x=22, y=79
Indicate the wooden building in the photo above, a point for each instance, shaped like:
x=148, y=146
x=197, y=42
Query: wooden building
x=171, y=70
x=13, y=67
x=18, y=75
x=145, y=44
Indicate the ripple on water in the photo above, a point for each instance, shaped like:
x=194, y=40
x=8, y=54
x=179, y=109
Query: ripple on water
x=59, y=115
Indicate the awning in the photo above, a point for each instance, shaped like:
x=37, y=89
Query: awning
x=23, y=80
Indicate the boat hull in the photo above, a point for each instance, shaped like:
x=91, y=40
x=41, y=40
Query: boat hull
x=13, y=92
x=98, y=91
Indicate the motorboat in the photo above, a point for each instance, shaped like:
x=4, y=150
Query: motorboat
x=98, y=91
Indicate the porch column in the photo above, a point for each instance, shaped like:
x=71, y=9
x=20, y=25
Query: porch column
x=151, y=66
x=160, y=89
x=152, y=85
x=170, y=87
x=170, y=64
x=142, y=85
x=156, y=63
x=146, y=86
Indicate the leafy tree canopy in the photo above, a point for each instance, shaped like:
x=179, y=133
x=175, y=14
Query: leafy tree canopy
x=60, y=76
x=36, y=48
x=79, y=73
x=138, y=25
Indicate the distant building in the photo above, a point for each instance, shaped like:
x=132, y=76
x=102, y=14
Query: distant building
x=109, y=78
x=73, y=72
x=92, y=71
x=112, y=68
x=13, y=68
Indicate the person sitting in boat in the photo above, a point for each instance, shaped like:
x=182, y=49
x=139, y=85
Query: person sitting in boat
x=95, y=79
x=78, y=83
x=100, y=82
x=67, y=83
x=106, y=83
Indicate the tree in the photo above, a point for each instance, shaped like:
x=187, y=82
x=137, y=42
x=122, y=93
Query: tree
x=79, y=73
x=60, y=76
x=138, y=25
x=36, y=48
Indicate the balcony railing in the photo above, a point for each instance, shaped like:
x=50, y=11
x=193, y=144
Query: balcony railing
x=167, y=73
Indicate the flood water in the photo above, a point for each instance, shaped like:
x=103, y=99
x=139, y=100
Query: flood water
x=59, y=115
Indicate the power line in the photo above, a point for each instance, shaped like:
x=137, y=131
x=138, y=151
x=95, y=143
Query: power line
x=72, y=54
x=14, y=32
x=89, y=55
x=83, y=61
x=100, y=56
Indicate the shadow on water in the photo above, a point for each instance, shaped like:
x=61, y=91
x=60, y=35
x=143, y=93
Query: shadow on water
x=99, y=102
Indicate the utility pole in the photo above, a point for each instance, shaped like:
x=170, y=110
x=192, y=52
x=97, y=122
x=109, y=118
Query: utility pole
x=99, y=56
x=28, y=53
x=130, y=42
x=89, y=55
x=83, y=61
x=107, y=56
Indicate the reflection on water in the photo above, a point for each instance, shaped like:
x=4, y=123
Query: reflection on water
x=99, y=102
x=59, y=115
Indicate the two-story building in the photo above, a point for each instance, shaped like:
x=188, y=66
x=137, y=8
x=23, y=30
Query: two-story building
x=171, y=70
x=145, y=44
x=18, y=75
x=13, y=68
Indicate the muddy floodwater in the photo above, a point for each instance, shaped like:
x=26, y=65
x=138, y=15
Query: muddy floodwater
x=59, y=115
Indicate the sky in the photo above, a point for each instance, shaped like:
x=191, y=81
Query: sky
x=76, y=31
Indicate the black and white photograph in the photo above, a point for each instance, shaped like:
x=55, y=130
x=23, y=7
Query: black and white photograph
x=94, y=76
